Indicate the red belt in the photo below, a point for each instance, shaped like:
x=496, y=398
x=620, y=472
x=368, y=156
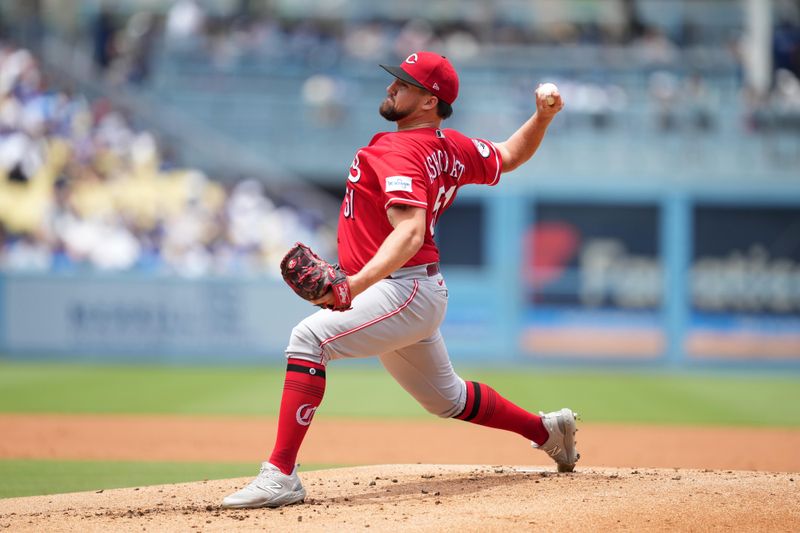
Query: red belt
x=431, y=270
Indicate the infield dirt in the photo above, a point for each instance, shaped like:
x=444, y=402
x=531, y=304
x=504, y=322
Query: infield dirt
x=615, y=487
x=441, y=498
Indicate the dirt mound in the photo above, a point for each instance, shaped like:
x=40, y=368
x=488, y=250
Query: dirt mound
x=440, y=498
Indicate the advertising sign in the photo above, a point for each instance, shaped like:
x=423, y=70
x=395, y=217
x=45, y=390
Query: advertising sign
x=745, y=283
x=148, y=317
x=594, y=281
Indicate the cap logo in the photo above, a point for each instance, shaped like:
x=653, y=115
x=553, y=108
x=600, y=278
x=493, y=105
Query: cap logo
x=411, y=59
x=435, y=86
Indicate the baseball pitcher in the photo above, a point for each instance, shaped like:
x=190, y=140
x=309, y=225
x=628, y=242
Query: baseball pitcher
x=387, y=297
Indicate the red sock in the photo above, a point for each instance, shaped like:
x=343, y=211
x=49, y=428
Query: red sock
x=302, y=394
x=487, y=408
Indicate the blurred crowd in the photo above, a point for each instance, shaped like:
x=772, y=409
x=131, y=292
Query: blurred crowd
x=128, y=48
x=82, y=189
x=325, y=42
x=318, y=40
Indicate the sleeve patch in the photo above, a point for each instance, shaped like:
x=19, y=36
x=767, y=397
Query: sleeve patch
x=483, y=149
x=398, y=183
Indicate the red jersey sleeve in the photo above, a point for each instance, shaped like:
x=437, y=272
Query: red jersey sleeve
x=401, y=180
x=483, y=161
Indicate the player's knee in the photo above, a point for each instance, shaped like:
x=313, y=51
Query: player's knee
x=445, y=407
x=449, y=400
x=443, y=410
x=303, y=343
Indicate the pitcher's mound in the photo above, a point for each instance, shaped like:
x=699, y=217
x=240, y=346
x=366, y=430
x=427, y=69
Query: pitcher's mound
x=440, y=498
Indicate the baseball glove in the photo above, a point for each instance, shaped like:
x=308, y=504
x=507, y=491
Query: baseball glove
x=311, y=277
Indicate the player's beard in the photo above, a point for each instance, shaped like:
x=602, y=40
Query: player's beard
x=390, y=112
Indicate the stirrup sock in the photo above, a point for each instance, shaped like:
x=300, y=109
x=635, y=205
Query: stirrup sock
x=485, y=407
x=303, y=390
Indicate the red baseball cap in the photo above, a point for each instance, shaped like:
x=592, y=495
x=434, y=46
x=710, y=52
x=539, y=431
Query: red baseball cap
x=429, y=71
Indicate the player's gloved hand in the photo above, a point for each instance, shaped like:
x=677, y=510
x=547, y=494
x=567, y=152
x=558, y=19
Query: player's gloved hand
x=313, y=278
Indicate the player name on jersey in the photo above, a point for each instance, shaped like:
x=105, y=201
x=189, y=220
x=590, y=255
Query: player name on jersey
x=421, y=168
x=438, y=163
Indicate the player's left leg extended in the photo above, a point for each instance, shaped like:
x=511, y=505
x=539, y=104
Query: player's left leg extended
x=424, y=370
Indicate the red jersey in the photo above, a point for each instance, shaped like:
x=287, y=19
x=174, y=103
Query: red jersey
x=422, y=168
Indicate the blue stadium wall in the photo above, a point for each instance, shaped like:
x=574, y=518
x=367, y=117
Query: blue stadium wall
x=653, y=278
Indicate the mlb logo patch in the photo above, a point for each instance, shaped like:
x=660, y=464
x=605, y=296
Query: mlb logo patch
x=398, y=183
x=483, y=149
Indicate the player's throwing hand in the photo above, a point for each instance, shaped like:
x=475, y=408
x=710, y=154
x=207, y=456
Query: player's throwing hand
x=548, y=100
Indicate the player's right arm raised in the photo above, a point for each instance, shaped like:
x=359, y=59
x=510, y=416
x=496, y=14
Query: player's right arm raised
x=524, y=142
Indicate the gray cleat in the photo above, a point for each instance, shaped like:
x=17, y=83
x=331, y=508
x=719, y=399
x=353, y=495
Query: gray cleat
x=561, y=426
x=271, y=488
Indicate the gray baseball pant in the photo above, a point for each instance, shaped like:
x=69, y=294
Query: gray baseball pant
x=398, y=320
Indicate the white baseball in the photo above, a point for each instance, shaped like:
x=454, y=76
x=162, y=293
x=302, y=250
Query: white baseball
x=547, y=90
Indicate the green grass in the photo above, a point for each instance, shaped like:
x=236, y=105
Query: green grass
x=35, y=477
x=353, y=390
x=663, y=398
x=365, y=391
